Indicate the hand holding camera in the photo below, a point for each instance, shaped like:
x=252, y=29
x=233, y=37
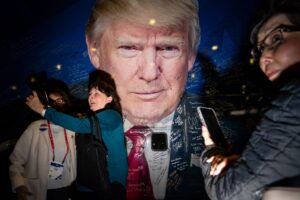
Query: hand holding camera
x=34, y=102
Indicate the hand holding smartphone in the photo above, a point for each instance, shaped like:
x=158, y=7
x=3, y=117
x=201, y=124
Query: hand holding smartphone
x=209, y=119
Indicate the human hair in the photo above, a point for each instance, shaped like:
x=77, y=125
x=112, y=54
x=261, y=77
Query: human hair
x=60, y=88
x=290, y=8
x=169, y=14
x=104, y=82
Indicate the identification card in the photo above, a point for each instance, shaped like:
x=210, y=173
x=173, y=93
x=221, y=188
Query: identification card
x=55, y=170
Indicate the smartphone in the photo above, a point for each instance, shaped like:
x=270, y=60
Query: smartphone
x=159, y=141
x=209, y=119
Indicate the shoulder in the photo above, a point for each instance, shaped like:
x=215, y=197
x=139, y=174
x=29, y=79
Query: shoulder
x=110, y=113
x=38, y=123
x=286, y=104
x=292, y=86
x=35, y=129
x=289, y=93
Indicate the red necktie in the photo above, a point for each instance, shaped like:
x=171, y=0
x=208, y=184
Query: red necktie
x=138, y=181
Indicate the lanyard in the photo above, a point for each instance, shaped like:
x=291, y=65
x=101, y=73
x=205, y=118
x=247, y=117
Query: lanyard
x=52, y=143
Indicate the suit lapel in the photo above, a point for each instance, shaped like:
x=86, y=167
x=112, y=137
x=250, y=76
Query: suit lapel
x=179, y=147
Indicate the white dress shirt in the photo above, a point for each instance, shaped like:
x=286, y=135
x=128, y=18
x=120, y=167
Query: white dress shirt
x=158, y=161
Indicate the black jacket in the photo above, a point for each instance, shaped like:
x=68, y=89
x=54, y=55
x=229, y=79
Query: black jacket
x=272, y=154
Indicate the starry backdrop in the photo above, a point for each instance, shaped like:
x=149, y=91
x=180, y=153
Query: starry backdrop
x=49, y=38
x=45, y=39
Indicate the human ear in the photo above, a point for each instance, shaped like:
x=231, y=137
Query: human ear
x=109, y=99
x=93, y=53
x=191, y=61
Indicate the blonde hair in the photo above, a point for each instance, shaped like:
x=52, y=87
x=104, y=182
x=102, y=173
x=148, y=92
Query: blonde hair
x=174, y=14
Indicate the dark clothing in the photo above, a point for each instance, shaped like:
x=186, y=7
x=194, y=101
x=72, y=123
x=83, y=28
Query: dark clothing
x=185, y=180
x=59, y=194
x=111, y=124
x=272, y=154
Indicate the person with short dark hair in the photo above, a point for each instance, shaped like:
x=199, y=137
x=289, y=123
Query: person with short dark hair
x=271, y=157
x=104, y=102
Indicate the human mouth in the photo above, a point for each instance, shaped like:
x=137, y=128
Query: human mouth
x=149, y=95
x=272, y=74
x=91, y=104
x=93, y=107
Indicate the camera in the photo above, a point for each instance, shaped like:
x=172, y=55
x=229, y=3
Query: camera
x=159, y=141
x=42, y=94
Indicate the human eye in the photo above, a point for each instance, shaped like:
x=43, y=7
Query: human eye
x=169, y=51
x=275, y=39
x=128, y=51
x=91, y=93
x=97, y=94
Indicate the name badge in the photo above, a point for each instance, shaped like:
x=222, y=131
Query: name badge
x=55, y=170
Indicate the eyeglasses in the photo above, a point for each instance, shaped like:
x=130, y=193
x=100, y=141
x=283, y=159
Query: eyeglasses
x=56, y=101
x=272, y=40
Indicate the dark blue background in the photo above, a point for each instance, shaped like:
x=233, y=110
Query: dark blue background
x=40, y=35
x=36, y=36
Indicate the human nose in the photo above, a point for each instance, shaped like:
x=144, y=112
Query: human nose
x=149, y=68
x=265, y=59
x=90, y=97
